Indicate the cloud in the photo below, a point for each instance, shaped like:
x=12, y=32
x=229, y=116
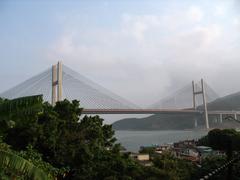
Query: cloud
x=236, y=21
x=137, y=26
x=147, y=56
x=195, y=13
x=220, y=10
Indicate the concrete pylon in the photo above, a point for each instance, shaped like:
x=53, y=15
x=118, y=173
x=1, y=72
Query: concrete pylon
x=194, y=98
x=59, y=79
x=56, y=83
x=195, y=122
x=221, y=118
x=235, y=116
x=203, y=93
x=205, y=104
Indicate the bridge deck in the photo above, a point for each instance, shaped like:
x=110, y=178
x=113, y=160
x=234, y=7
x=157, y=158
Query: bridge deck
x=137, y=111
x=152, y=111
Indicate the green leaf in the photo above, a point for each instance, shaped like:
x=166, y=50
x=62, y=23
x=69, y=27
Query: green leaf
x=20, y=166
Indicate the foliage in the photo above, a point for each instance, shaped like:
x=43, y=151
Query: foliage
x=34, y=157
x=227, y=140
x=56, y=140
x=18, y=166
x=148, y=150
x=177, y=168
x=18, y=111
x=87, y=146
x=31, y=156
x=20, y=106
x=209, y=164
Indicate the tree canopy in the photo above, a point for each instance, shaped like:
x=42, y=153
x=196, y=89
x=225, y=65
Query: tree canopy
x=57, y=141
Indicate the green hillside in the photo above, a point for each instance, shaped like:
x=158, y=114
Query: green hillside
x=183, y=121
x=158, y=122
x=229, y=102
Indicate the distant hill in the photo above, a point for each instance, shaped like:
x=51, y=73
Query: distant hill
x=229, y=102
x=157, y=122
x=182, y=121
x=171, y=122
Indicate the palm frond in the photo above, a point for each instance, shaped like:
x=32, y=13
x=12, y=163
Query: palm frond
x=20, y=166
x=24, y=105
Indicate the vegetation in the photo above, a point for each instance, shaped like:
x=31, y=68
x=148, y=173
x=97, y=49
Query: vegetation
x=39, y=141
x=229, y=102
x=58, y=142
x=227, y=140
x=178, y=168
x=17, y=166
x=26, y=164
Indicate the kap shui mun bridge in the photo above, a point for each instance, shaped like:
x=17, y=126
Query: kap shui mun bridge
x=60, y=82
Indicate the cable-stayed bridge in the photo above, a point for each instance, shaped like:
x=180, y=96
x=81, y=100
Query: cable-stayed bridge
x=66, y=83
x=60, y=82
x=183, y=98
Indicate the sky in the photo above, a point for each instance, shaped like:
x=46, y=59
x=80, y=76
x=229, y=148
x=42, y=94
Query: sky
x=140, y=49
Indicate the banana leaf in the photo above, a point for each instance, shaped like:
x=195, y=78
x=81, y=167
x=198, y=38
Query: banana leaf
x=21, y=106
x=19, y=166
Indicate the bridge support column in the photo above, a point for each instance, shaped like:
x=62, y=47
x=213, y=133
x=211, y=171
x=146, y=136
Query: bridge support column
x=59, y=80
x=204, y=100
x=235, y=116
x=194, y=95
x=215, y=119
x=220, y=118
x=56, y=83
x=205, y=104
x=195, y=122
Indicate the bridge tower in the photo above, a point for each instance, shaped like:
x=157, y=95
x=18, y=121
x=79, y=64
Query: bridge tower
x=203, y=93
x=56, y=83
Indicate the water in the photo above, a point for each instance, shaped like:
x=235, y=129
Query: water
x=132, y=140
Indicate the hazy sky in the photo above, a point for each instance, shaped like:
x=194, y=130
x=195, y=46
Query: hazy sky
x=141, y=50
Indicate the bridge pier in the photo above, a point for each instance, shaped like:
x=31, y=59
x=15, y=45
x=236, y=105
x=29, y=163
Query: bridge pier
x=215, y=119
x=220, y=118
x=235, y=116
x=195, y=122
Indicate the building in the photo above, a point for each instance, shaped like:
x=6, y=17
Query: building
x=143, y=159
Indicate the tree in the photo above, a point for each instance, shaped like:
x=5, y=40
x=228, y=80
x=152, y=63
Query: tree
x=20, y=111
x=148, y=150
x=176, y=168
x=209, y=164
x=227, y=140
x=24, y=164
x=20, y=106
x=57, y=140
x=86, y=146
